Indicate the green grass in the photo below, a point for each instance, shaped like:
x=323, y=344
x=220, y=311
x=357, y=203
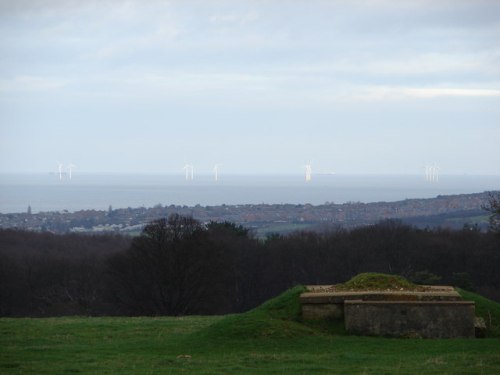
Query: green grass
x=487, y=309
x=270, y=339
x=377, y=281
x=277, y=318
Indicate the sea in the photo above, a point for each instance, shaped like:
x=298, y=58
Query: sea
x=51, y=192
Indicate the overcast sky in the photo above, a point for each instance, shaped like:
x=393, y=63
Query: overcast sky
x=256, y=86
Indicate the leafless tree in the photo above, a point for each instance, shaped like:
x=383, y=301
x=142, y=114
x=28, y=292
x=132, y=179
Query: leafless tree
x=493, y=207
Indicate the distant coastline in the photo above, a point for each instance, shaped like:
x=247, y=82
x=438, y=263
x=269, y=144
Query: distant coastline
x=449, y=211
x=46, y=193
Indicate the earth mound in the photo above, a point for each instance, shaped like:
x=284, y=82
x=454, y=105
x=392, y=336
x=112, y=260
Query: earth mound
x=279, y=317
x=376, y=282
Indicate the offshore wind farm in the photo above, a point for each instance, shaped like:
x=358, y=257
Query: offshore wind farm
x=64, y=191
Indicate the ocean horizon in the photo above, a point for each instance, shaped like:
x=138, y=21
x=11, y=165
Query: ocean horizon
x=86, y=191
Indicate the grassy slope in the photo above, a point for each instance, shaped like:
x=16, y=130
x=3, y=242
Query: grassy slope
x=266, y=340
x=487, y=309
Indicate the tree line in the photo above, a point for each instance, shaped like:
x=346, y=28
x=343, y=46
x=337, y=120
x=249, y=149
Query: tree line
x=179, y=266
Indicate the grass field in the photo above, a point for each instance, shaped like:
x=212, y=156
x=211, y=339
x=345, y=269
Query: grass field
x=267, y=340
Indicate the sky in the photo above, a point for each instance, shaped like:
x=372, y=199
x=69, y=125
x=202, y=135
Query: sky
x=351, y=87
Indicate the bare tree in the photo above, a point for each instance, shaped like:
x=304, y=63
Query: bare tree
x=169, y=269
x=493, y=207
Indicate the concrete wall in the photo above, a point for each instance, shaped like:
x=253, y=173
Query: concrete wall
x=430, y=319
x=318, y=311
x=330, y=305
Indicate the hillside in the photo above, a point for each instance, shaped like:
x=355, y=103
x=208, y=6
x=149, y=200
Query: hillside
x=451, y=211
x=267, y=340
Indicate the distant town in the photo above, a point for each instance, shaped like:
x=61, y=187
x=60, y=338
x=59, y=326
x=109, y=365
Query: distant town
x=453, y=211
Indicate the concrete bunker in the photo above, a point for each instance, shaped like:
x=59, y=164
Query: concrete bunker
x=411, y=311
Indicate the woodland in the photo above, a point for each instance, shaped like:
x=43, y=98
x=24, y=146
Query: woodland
x=180, y=266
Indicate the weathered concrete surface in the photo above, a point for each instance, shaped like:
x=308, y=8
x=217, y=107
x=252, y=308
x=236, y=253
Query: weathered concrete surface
x=322, y=311
x=318, y=296
x=426, y=319
x=323, y=302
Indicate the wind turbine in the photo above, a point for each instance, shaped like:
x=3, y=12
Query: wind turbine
x=435, y=173
x=429, y=172
x=60, y=167
x=189, y=170
x=432, y=173
x=186, y=169
x=70, y=169
x=308, y=175
x=216, y=171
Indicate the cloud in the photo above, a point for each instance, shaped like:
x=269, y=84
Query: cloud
x=424, y=66
x=399, y=93
x=26, y=83
x=127, y=47
x=436, y=92
x=234, y=18
x=263, y=64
